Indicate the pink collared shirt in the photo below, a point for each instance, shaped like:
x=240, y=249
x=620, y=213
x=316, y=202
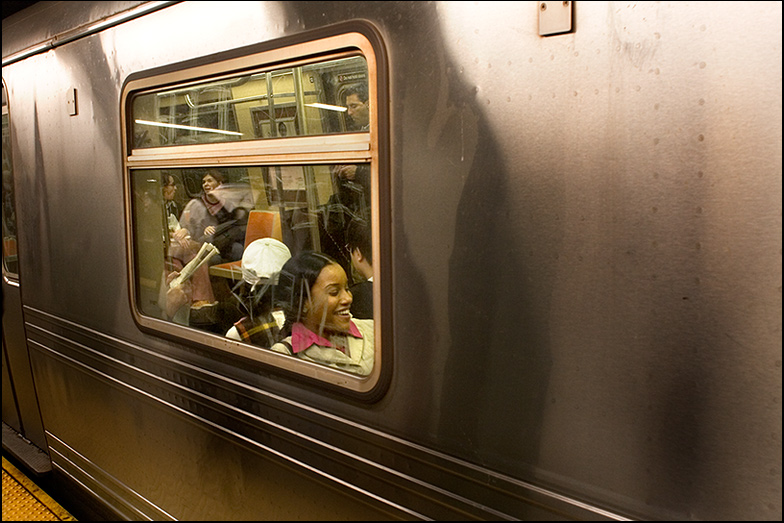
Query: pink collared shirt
x=302, y=337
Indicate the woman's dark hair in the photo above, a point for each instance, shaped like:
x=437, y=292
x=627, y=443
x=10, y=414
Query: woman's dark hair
x=295, y=282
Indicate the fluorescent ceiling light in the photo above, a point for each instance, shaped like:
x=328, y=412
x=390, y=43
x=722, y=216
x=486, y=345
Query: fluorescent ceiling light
x=328, y=107
x=187, y=127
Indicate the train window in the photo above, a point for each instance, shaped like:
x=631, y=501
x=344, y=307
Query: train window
x=261, y=244
x=322, y=98
x=10, y=262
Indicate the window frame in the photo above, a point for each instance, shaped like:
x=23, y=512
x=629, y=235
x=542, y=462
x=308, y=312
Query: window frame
x=9, y=276
x=351, y=39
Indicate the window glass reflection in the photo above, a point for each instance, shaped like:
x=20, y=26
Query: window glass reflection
x=323, y=98
x=270, y=255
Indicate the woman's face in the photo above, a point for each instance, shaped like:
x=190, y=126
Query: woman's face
x=208, y=183
x=330, y=300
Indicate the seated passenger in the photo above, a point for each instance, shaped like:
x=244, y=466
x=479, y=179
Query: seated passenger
x=198, y=220
x=181, y=251
x=219, y=215
x=173, y=298
x=180, y=287
x=360, y=247
x=319, y=328
x=189, y=233
x=261, y=264
x=232, y=210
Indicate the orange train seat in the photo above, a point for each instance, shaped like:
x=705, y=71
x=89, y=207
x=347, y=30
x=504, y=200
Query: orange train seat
x=261, y=224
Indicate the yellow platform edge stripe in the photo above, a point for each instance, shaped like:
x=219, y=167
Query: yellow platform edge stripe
x=42, y=497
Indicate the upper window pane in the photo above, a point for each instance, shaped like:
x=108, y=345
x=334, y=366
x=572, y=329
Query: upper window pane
x=324, y=98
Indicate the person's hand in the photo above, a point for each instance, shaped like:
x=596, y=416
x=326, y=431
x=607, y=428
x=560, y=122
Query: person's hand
x=171, y=276
x=177, y=296
x=182, y=236
x=209, y=230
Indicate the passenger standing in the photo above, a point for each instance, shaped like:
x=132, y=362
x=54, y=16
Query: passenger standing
x=350, y=201
x=358, y=107
x=351, y=197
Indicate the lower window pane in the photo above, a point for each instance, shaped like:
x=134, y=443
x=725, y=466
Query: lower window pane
x=279, y=257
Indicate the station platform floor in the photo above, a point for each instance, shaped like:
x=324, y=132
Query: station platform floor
x=23, y=500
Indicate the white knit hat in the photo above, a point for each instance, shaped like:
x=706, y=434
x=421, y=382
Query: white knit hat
x=263, y=259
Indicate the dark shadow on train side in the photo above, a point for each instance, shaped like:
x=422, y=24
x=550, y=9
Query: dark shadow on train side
x=498, y=367
x=493, y=379
x=41, y=213
x=483, y=396
x=496, y=373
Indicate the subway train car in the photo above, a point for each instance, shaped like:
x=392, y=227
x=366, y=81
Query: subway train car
x=572, y=220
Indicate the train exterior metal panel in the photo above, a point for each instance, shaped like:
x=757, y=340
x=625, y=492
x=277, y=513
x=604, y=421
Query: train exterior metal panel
x=584, y=271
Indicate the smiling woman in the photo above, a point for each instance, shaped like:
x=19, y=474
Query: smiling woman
x=319, y=328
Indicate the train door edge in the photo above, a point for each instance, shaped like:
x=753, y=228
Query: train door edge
x=23, y=432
